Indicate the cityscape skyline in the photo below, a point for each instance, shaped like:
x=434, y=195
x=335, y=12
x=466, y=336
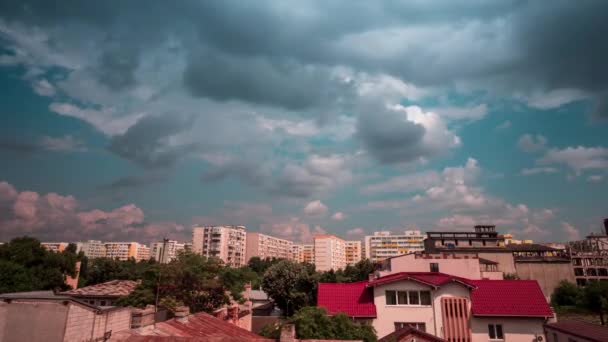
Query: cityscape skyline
x=355, y=118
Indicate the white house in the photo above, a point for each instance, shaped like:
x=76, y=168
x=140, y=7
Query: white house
x=449, y=307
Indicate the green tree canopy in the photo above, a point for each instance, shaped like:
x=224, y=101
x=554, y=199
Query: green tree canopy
x=595, y=298
x=291, y=285
x=566, y=294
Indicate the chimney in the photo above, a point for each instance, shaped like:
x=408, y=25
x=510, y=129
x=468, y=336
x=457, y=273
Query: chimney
x=288, y=333
x=234, y=313
x=143, y=319
x=182, y=313
x=606, y=226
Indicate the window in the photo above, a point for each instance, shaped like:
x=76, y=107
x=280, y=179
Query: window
x=102, y=303
x=434, y=267
x=495, y=331
x=408, y=298
x=417, y=325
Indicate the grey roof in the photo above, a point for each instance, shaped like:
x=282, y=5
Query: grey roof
x=258, y=295
x=32, y=295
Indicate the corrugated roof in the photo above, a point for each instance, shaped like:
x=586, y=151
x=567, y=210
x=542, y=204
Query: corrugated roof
x=113, y=288
x=521, y=298
x=353, y=299
x=589, y=331
x=200, y=327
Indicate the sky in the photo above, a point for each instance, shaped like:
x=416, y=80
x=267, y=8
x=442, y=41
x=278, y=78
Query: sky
x=134, y=120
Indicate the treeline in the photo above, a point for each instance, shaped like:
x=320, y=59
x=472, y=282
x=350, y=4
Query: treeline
x=593, y=298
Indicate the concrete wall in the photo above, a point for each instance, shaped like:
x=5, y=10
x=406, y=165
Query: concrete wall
x=548, y=275
x=32, y=321
x=492, y=275
x=505, y=261
x=466, y=268
x=558, y=336
x=514, y=329
x=252, y=245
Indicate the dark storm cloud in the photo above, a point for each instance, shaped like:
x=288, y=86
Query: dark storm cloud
x=116, y=68
x=146, y=142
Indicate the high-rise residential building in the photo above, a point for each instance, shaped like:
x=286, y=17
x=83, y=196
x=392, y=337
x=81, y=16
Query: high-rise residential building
x=92, y=248
x=165, y=252
x=127, y=250
x=303, y=253
x=330, y=253
x=266, y=246
x=227, y=243
x=54, y=246
x=384, y=245
x=353, y=252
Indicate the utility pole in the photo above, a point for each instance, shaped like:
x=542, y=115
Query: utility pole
x=162, y=258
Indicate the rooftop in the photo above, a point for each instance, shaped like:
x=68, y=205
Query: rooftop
x=434, y=279
x=113, y=288
x=410, y=333
x=588, y=331
x=522, y=298
x=353, y=299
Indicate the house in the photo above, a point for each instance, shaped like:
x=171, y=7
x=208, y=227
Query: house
x=104, y=294
x=574, y=330
x=46, y=317
x=410, y=334
x=450, y=307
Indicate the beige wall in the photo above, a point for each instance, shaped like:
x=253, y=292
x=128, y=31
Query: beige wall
x=466, y=268
x=548, y=275
x=505, y=261
x=32, y=322
x=514, y=329
x=492, y=275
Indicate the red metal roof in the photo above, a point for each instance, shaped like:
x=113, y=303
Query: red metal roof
x=410, y=334
x=353, y=299
x=200, y=327
x=428, y=278
x=588, y=331
x=522, y=298
x=113, y=288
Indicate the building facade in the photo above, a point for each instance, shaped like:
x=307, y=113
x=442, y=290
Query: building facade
x=127, y=250
x=330, y=253
x=303, y=253
x=382, y=245
x=353, y=252
x=589, y=258
x=266, y=246
x=92, y=249
x=165, y=252
x=227, y=243
x=57, y=247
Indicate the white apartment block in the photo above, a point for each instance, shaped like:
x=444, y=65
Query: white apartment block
x=353, y=253
x=384, y=245
x=266, y=246
x=227, y=243
x=303, y=253
x=92, y=248
x=330, y=253
x=57, y=247
x=127, y=250
x=170, y=251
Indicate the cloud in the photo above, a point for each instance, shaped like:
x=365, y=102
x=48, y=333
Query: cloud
x=293, y=230
x=538, y=170
x=403, y=134
x=106, y=121
x=355, y=233
x=66, y=143
x=405, y=183
x=571, y=232
x=462, y=113
x=315, y=209
x=60, y=218
x=595, y=178
x=504, y=125
x=43, y=87
x=530, y=143
x=338, y=216
x=555, y=98
x=579, y=158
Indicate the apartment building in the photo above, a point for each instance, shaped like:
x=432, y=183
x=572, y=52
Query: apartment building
x=589, y=257
x=353, y=252
x=383, y=244
x=92, y=248
x=266, y=246
x=165, y=252
x=303, y=253
x=445, y=306
x=330, y=253
x=227, y=243
x=127, y=250
x=54, y=246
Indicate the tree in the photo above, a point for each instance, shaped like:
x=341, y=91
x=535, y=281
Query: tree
x=360, y=271
x=314, y=323
x=595, y=298
x=234, y=279
x=566, y=294
x=291, y=286
x=27, y=266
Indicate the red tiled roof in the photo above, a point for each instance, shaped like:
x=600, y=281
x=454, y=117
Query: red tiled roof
x=522, y=298
x=353, y=299
x=113, y=288
x=428, y=278
x=409, y=333
x=200, y=327
x=588, y=331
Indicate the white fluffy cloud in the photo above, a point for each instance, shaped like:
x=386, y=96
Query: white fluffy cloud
x=315, y=209
x=338, y=216
x=571, y=232
x=578, y=159
x=532, y=143
x=538, y=170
